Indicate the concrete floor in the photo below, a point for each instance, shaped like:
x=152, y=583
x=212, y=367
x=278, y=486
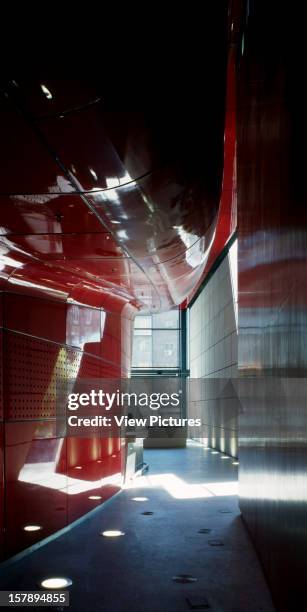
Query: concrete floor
x=187, y=490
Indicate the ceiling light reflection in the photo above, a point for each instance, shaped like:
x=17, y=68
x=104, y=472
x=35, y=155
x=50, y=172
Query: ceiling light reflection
x=93, y=173
x=46, y=91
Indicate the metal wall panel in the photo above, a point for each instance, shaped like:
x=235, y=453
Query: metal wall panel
x=272, y=221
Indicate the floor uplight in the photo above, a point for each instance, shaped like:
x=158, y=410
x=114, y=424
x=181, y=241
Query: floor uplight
x=32, y=528
x=112, y=533
x=56, y=583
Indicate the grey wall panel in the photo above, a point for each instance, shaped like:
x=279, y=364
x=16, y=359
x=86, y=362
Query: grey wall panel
x=213, y=344
x=272, y=256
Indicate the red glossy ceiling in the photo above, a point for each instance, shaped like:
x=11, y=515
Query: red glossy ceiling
x=96, y=203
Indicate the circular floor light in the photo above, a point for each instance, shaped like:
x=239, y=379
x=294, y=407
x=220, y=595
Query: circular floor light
x=78, y=467
x=214, y=452
x=139, y=499
x=112, y=533
x=57, y=582
x=95, y=497
x=235, y=463
x=32, y=528
x=225, y=457
x=184, y=578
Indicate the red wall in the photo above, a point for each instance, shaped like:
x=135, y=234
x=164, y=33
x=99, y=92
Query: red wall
x=39, y=343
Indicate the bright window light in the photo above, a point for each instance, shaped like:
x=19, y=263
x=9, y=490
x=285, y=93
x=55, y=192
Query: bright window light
x=44, y=475
x=179, y=489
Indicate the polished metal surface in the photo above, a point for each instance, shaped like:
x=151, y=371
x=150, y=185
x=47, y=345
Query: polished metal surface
x=112, y=202
x=272, y=297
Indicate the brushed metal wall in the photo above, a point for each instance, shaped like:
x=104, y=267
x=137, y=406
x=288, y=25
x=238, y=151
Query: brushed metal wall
x=272, y=194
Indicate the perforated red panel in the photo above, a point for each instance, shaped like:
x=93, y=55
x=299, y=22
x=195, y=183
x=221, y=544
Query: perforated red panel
x=33, y=367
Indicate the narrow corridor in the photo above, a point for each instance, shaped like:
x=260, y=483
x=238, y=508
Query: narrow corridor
x=187, y=490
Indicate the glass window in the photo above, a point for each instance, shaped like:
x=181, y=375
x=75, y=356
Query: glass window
x=156, y=341
x=142, y=322
x=166, y=320
x=142, y=352
x=165, y=348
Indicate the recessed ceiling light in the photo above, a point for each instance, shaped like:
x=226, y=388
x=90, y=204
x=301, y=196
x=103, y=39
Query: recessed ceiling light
x=112, y=533
x=56, y=583
x=139, y=499
x=78, y=467
x=46, y=91
x=99, y=461
x=225, y=457
x=114, y=456
x=116, y=222
x=235, y=463
x=95, y=497
x=32, y=528
x=214, y=452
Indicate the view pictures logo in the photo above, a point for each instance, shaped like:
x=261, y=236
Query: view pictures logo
x=108, y=400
